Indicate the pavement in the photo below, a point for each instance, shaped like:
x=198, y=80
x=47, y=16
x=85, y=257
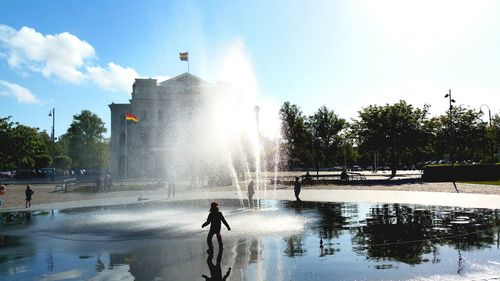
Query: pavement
x=464, y=200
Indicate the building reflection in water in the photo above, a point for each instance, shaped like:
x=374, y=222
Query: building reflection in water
x=385, y=232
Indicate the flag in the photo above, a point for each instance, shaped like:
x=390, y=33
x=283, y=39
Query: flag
x=183, y=56
x=131, y=117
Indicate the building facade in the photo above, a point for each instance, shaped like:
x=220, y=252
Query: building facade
x=146, y=149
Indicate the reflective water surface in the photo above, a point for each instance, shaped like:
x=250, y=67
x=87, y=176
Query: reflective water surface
x=278, y=241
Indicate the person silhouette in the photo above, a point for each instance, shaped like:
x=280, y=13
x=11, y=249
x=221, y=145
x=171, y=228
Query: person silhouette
x=297, y=188
x=344, y=176
x=171, y=183
x=251, y=192
x=214, y=219
x=308, y=179
x=29, y=193
x=215, y=269
x=2, y=194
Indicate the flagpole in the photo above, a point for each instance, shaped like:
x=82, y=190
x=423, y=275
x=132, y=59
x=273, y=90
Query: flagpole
x=126, y=146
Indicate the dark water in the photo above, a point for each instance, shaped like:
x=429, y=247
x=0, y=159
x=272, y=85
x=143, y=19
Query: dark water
x=279, y=241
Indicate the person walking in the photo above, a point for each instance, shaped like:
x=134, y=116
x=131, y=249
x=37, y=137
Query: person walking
x=29, y=193
x=171, y=183
x=250, y=192
x=3, y=191
x=297, y=188
x=214, y=219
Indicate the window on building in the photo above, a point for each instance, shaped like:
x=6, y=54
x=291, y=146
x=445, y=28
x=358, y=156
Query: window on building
x=144, y=136
x=122, y=119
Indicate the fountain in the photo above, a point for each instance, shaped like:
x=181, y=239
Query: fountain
x=210, y=134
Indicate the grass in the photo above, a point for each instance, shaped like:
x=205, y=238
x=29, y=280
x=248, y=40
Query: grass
x=483, y=182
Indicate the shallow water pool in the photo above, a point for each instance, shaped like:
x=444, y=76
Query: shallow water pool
x=280, y=240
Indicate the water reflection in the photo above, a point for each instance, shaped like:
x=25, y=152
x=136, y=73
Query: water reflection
x=295, y=246
x=17, y=218
x=215, y=269
x=384, y=241
x=406, y=234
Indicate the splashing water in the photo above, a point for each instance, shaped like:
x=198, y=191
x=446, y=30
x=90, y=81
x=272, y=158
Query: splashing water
x=228, y=132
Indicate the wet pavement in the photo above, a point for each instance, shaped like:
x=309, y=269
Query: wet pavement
x=279, y=240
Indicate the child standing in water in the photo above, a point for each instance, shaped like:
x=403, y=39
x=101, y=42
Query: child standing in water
x=214, y=219
x=251, y=192
x=28, y=192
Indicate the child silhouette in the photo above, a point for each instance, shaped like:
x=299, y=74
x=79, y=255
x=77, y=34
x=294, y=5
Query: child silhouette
x=214, y=219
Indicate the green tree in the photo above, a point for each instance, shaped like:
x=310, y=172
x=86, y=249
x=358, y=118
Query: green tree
x=85, y=142
x=5, y=143
x=466, y=139
x=325, y=126
x=349, y=152
x=62, y=162
x=494, y=133
x=42, y=161
x=19, y=145
x=296, y=140
x=396, y=132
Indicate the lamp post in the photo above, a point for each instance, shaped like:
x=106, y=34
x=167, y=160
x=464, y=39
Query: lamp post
x=489, y=111
x=315, y=162
x=53, y=114
x=450, y=125
x=489, y=116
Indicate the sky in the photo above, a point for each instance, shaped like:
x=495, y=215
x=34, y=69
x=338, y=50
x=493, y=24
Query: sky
x=75, y=55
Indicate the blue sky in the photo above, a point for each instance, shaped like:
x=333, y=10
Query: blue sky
x=75, y=55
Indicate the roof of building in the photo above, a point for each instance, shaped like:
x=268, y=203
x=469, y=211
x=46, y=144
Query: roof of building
x=184, y=79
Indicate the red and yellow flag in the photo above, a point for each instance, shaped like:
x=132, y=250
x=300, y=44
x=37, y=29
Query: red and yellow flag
x=131, y=117
x=183, y=56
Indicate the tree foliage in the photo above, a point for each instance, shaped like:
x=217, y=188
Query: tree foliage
x=465, y=137
x=295, y=135
x=325, y=127
x=19, y=145
x=84, y=140
x=395, y=131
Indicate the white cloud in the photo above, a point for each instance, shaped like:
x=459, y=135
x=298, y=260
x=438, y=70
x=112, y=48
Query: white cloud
x=113, y=78
x=22, y=94
x=63, y=56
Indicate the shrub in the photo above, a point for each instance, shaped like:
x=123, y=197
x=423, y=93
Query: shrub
x=482, y=172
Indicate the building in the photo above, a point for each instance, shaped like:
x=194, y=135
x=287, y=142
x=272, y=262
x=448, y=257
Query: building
x=146, y=149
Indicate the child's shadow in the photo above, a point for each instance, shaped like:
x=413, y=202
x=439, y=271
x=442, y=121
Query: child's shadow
x=215, y=269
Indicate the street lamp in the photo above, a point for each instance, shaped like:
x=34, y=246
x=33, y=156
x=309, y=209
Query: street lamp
x=489, y=111
x=450, y=125
x=315, y=162
x=52, y=113
x=489, y=115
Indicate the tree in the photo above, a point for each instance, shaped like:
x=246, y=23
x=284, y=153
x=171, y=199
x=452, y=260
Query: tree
x=296, y=141
x=42, y=161
x=19, y=145
x=62, y=162
x=395, y=131
x=466, y=139
x=325, y=126
x=85, y=141
x=494, y=133
x=5, y=143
